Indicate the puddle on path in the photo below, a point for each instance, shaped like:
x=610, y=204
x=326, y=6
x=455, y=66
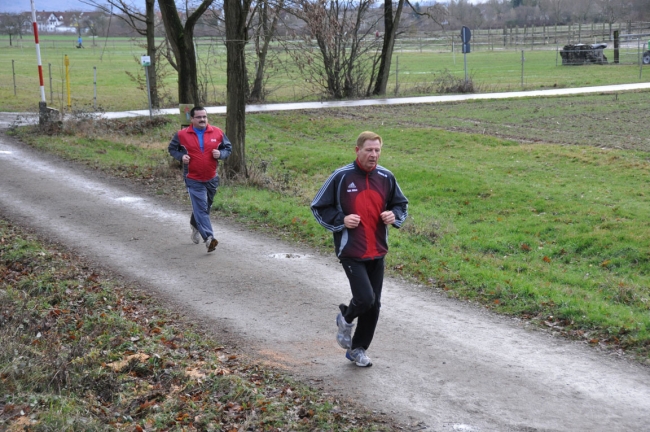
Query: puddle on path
x=288, y=255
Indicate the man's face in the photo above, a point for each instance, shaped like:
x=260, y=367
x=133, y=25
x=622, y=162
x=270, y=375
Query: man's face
x=200, y=120
x=368, y=155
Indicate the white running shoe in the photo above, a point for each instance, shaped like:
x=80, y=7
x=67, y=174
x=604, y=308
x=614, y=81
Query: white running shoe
x=344, y=334
x=196, y=235
x=359, y=357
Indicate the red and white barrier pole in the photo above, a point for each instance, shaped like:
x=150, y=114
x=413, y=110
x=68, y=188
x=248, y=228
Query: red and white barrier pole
x=38, y=53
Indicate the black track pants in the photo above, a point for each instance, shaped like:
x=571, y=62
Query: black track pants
x=366, y=280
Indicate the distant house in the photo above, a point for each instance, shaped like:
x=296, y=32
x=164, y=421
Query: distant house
x=64, y=22
x=48, y=21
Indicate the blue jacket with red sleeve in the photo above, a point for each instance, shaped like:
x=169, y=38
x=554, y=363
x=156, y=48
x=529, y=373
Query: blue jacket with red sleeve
x=352, y=190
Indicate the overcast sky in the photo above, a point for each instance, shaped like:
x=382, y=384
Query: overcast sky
x=58, y=5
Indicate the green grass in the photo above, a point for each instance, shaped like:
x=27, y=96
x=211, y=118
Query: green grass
x=417, y=73
x=82, y=351
x=552, y=232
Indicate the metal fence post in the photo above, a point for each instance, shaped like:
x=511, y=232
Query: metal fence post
x=453, y=49
x=396, y=74
x=49, y=66
x=640, y=58
x=146, y=72
x=95, y=86
x=66, y=62
x=522, y=68
x=13, y=72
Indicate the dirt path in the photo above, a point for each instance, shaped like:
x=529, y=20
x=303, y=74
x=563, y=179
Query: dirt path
x=438, y=362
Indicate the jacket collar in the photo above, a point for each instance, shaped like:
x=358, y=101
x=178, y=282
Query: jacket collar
x=190, y=128
x=360, y=168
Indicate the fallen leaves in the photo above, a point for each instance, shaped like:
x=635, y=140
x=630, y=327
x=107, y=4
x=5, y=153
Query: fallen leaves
x=102, y=345
x=119, y=366
x=195, y=373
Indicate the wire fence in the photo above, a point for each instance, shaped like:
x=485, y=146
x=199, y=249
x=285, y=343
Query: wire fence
x=525, y=38
x=501, y=60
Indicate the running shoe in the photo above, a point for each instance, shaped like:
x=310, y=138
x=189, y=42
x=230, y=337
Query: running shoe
x=211, y=243
x=344, y=334
x=196, y=235
x=359, y=357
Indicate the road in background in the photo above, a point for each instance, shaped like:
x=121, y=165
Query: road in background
x=6, y=119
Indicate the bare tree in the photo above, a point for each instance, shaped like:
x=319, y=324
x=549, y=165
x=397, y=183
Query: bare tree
x=391, y=24
x=526, y=14
x=263, y=22
x=612, y=11
x=437, y=13
x=101, y=25
x=582, y=10
x=236, y=13
x=459, y=10
x=498, y=9
x=268, y=15
x=145, y=25
x=95, y=24
x=556, y=9
x=343, y=61
x=641, y=9
x=13, y=24
x=181, y=40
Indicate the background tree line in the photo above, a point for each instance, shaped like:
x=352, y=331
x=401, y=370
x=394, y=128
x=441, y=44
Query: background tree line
x=500, y=13
x=342, y=48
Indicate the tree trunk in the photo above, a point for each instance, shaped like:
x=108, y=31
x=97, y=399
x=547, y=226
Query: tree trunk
x=188, y=85
x=237, y=86
x=257, y=93
x=151, y=52
x=181, y=39
x=390, y=26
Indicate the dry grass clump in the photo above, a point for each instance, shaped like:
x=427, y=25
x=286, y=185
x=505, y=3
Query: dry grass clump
x=87, y=124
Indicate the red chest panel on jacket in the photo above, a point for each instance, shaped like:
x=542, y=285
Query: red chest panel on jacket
x=365, y=195
x=202, y=166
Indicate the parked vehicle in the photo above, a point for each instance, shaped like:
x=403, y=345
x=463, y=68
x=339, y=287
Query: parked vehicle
x=581, y=54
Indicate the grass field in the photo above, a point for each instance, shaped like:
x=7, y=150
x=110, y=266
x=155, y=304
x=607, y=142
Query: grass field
x=541, y=214
x=413, y=72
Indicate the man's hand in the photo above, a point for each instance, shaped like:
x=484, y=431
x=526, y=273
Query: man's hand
x=351, y=221
x=388, y=217
x=186, y=159
x=216, y=153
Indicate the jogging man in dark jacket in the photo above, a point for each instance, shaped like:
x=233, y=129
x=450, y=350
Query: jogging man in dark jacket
x=199, y=148
x=357, y=203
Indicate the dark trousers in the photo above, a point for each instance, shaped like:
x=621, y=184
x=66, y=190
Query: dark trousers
x=366, y=280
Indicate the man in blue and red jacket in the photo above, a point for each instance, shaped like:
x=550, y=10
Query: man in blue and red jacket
x=357, y=203
x=199, y=147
